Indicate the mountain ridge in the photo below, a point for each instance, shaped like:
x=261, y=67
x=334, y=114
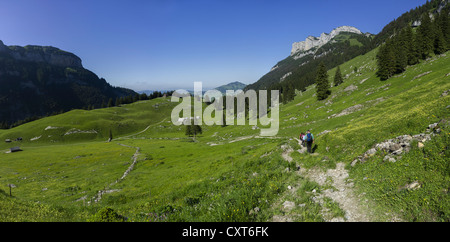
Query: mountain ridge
x=312, y=42
x=47, y=54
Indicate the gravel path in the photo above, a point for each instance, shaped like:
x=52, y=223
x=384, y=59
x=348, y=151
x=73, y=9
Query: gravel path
x=342, y=193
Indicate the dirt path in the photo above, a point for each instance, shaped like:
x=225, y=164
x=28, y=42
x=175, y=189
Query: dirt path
x=340, y=191
x=287, y=150
x=131, y=135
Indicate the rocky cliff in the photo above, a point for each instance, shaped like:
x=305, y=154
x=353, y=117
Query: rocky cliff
x=46, y=54
x=312, y=42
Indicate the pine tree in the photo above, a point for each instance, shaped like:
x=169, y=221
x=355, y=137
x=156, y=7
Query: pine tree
x=110, y=103
x=197, y=129
x=440, y=44
x=386, y=61
x=338, y=79
x=322, y=83
x=444, y=23
x=143, y=96
x=410, y=46
x=193, y=130
x=401, y=51
x=189, y=130
x=135, y=98
x=288, y=93
x=442, y=35
x=425, y=37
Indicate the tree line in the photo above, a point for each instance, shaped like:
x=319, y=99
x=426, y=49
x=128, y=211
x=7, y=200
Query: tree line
x=410, y=45
x=129, y=99
x=111, y=103
x=405, y=20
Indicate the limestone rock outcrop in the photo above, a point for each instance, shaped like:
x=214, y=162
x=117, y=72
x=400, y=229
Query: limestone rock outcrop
x=312, y=42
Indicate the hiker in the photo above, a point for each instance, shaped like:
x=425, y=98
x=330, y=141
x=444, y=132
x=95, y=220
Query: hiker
x=302, y=137
x=309, y=139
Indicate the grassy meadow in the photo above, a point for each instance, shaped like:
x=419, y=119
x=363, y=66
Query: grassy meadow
x=230, y=173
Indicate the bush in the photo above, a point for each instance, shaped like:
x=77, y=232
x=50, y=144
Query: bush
x=107, y=215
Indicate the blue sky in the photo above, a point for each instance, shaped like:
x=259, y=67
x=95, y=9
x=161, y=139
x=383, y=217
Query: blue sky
x=170, y=44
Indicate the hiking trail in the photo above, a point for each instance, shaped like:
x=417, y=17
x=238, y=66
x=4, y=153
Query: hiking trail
x=342, y=192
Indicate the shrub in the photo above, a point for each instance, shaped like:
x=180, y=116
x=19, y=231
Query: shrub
x=107, y=215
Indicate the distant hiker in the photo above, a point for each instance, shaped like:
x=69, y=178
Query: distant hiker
x=302, y=138
x=309, y=139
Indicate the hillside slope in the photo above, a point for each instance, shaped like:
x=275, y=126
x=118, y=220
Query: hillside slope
x=87, y=125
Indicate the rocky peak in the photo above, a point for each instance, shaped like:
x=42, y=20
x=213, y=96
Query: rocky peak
x=48, y=54
x=312, y=42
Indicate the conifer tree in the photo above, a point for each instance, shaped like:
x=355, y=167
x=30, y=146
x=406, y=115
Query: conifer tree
x=444, y=23
x=193, y=130
x=440, y=44
x=425, y=37
x=288, y=93
x=401, y=51
x=442, y=37
x=110, y=103
x=386, y=61
x=322, y=84
x=411, y=48
x=189, y=130
x=196, y=129
x=338, y=80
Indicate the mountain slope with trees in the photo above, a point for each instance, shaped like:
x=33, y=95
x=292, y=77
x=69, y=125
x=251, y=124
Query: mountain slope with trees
x=298, y=73
x=293, y=74
x=39, y=81
x=410, y=45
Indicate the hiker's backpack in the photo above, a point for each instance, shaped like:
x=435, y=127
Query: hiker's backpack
x=309, y=137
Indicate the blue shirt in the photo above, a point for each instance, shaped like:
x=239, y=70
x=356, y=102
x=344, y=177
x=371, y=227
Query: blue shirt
x=306, y=136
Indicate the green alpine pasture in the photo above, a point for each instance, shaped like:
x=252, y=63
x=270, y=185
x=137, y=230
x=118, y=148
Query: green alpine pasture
x=230, y=173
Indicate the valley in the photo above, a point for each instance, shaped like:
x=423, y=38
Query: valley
x=74, y=148
x=231, y=173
